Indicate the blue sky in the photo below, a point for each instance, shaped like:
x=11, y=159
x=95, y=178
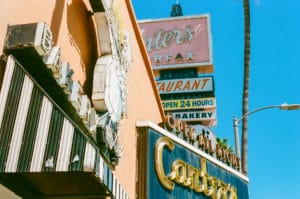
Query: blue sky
x=274, y=163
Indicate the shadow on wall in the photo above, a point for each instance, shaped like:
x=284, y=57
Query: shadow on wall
x=83, y=37
x=56, y=19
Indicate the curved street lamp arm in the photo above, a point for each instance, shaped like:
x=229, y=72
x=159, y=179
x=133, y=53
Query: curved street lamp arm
x=256, y=110
x=236, y=123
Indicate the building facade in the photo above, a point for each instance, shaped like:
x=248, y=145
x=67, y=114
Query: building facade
x=79, y=106
x=83, y=80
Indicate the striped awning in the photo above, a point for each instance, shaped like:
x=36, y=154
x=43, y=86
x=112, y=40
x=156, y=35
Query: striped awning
x=43, y=152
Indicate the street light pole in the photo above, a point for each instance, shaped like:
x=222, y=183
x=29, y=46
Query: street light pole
x=236, y=121
x=236, y=136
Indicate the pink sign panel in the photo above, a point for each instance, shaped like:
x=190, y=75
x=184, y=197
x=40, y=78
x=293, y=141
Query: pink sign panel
x=178, y=41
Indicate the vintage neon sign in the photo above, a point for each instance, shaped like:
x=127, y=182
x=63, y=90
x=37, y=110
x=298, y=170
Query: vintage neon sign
x=195, y=115
x=189, y=56
x=200, y=84
x=188, y=133
x=186, y=175
x=165, y=38
x=178, y=42
x=197, y=103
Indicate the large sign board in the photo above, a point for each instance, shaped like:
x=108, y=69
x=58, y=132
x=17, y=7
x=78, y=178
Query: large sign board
x=199, y=84
x=179, y=42
x=196, y=103
x=173, y=168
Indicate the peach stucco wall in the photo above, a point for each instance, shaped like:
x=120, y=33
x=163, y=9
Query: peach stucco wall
x=74, y=32
x=142, y=106
x=72, y=29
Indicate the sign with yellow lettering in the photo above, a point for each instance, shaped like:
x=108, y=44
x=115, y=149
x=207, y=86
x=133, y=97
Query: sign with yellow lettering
x=186, y=175
x=197, y=103
x=170, y=167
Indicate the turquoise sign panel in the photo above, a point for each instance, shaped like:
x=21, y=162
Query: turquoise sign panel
x=174, y=171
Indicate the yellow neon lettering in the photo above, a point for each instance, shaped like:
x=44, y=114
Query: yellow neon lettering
x=188, y=176
x=159, y=168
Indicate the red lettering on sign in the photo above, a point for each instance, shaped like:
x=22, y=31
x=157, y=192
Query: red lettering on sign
x=170, y=86
x=204, y=83
x=196, y=84
x=187, y=86
x=178, y=85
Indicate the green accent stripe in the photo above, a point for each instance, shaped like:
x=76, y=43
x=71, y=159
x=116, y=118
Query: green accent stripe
x=30, y=130
x=53, y=139
x=78, y=149
x=10, y=112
